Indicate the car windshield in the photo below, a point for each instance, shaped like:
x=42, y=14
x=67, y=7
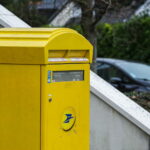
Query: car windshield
x=136, y=70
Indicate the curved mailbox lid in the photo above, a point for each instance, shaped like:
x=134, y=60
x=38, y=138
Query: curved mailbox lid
x=43, y=46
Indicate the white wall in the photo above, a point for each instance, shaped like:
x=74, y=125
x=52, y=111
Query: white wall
x=70, y=11
x=112, y=131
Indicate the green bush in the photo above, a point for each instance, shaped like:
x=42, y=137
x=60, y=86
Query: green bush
x=122, y=2
x=26, y=11
x=130, y=40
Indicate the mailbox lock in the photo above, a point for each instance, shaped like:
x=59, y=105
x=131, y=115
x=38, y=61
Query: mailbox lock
x=50, y=98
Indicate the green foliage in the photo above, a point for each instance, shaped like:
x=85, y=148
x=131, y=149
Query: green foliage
x=5, y=2
x=130, y=40
x=78, y=28
x=27, y=12
x=122, y=2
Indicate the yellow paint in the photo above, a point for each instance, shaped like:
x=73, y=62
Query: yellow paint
x=74, y=94
x=19, y=107
x=34, y=46
x=33, y=108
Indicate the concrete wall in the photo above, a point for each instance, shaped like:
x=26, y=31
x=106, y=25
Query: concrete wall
x=145, y=8
x=112, y=131
x=70, y=11
x=114, y=125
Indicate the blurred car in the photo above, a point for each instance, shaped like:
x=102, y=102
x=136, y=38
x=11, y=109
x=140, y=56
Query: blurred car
x=125, y=75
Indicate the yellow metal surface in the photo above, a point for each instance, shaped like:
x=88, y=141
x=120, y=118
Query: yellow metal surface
x=37, y=113
x=65, y=95
x=34, y=46
x=19, y=107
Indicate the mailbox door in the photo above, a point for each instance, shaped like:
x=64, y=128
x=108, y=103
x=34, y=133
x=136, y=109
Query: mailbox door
x=66, y=109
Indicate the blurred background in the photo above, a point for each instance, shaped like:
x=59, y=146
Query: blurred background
x=118, y=29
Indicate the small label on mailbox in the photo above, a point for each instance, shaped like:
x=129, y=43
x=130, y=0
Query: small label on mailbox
x=49, y=76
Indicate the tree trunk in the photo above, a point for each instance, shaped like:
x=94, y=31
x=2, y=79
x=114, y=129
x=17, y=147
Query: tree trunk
x=92, y=12
x=89, y=30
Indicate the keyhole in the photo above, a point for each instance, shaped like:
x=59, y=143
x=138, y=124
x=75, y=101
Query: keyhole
x=50, y=99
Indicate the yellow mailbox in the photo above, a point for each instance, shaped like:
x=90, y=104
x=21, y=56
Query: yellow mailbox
x=44, y=89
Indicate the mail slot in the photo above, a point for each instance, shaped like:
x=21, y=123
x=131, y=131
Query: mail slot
x=44, y=89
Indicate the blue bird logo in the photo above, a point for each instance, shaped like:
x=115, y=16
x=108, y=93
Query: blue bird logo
x=69, y=116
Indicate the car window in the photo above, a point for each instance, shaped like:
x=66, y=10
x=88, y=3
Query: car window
x=136, y=70
x=107, y=72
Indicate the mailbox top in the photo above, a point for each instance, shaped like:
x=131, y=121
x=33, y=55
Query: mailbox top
x=43, y=46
